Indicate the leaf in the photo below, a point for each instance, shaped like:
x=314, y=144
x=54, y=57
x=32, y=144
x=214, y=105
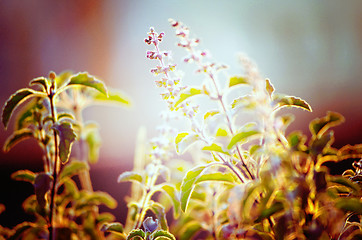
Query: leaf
x=209, y=114
x=106, y=217
x=189, y=230
x=269, y=87
x=42, y=81
x=136, y=234
x=184, y=140
x=215, y=148
x=66, y=139
x=24, y=175
x=350, y=151
x=17, y=137
x=42, y=185
x=113, y=227
x=236, y=80
x=20, y=229
x=218, y=176
x=274, y=208
x=290, y=101
x=319, y=126
x=186, y=94
x=246, y=102
x=14, y=100
x=130, y=176
x=350, y=204
x=63, y=78
x=170, y=190
x=85, y=79
x=73, y=168
x=346, y=182
x=188, y=184
x=99, y=197
x=159, y=211
x=241, y=136
x=221, y=133
x=65, y=115
x=319, y=144
x=162, y=234
x=113, y=97
x=93, y=140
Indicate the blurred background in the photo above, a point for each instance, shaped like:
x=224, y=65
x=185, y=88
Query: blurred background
x=310, y=49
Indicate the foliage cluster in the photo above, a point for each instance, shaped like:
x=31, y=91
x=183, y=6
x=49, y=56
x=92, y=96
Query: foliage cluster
x=246, y=179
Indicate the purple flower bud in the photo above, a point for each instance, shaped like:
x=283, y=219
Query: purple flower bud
x=150, y=225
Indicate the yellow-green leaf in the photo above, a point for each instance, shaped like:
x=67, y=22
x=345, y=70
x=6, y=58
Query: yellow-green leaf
x=130, y=176
x=66, y=138
x=24, y=175
x=188, y=184
x=17, y=137
x=73, y=168
x=319, y=126
x=215, y=148
x=114, y=96
x=86, y=79
x=14, y=100
x=241, y=136
x=189, y=92
x=236, y=80
x=290, y=101
x=113, y=227
x=217, y=176
x=184, y=140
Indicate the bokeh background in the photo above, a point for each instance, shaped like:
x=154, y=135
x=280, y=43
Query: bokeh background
x=310, y=49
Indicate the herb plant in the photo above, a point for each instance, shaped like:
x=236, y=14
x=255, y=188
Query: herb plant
x=244, y=177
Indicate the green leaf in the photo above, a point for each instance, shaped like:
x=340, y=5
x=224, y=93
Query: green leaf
x=171, y=191
x=17, y=137
x=346, y=182
x=319, y=126
x=99, y=197
x=66, y=139
x=241, y=136
x=62, y=78
x=218, y=176
x=274, y=208
x=14, y=100
x=106, y=217
x=160, y=213
x=65, y=115
x=87, y=80
x=215, y=148
x=188, y=185
x=162, y=234
x=350, y=151
x=246, y=102
x=209, y=114
x=269, y=87
x=93, y=140
x=24, y=175
x=221, y=133
x=42, y=185
x=20, y=229
x=42, y=81
x=236, y=80
x=130, y=176
x=290, y=101
x=189, y=230
x=114, y=96
x=189, y=92
x=73, y=168
x=113, y=227
x=350, y=204
x=184, y=140
x=136, y=234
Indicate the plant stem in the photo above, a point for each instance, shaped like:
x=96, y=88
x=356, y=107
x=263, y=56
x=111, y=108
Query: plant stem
x=55, y=172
